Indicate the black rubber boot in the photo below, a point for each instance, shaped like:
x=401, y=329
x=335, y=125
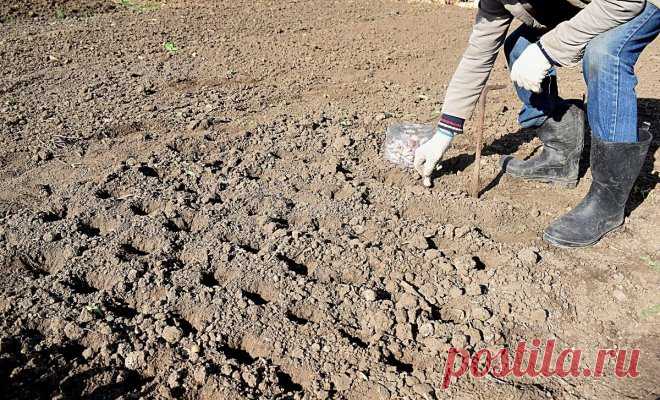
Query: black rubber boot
x=614, y=169
x=563, y=140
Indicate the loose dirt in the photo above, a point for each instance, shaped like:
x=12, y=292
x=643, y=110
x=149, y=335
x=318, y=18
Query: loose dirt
x=214, y=219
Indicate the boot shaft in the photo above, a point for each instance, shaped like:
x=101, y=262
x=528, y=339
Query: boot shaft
x=615, y=165
x=614, y=169
x=564, y=131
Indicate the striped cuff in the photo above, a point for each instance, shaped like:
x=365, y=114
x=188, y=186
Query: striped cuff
x=451, y=123
x=547, y=56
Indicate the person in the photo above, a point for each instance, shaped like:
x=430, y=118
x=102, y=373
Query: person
x=608, y=36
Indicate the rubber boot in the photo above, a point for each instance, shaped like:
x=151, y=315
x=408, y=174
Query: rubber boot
x=563, y=140
x=614, y=169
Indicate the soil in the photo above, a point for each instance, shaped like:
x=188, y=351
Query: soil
x=193, y=204
x=59, y=9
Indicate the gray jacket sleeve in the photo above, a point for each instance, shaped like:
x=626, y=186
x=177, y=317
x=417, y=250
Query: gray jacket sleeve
x=565, y=44
x=488, y=34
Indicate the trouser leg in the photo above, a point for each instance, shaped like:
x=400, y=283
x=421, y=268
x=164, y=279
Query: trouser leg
x=618, y=149
x=609, y=71
x=537, y=107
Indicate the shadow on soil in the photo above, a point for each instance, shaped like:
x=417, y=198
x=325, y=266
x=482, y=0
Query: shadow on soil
x=649, y=111
x=29, y=370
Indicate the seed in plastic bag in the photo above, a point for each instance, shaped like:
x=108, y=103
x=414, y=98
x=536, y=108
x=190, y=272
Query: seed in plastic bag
x=402, y=140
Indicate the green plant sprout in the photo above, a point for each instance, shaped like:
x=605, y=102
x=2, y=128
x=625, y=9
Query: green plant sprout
x=94, y=309
x=131, y=5
x=650, y=311
x=651, y=263
x=170, y=47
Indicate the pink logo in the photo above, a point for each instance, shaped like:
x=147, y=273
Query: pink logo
x=525, y=361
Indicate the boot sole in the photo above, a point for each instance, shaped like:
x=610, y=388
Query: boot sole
x=565, y=183
x=571, y=184
x=565, y=244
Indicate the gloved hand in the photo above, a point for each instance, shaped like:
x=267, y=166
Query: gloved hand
x=530, y=68
x=428, y=154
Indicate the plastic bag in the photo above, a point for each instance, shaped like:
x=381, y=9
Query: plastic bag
x=401, y=141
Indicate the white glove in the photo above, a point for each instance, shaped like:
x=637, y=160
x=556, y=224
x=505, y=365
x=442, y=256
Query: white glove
x=428, y=154
x=530, y=68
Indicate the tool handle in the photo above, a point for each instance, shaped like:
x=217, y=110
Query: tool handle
x=474, y=192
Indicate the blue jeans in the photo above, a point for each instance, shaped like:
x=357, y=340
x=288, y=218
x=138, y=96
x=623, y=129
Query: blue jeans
x=537, y=107
x=609, y=71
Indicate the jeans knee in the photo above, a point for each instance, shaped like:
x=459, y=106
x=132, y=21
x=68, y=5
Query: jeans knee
x=598, y=55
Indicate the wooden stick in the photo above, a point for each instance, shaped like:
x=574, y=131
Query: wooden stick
x=480, y=130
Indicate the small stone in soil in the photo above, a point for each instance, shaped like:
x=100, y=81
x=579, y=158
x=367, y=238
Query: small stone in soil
x=172, y=334
x=528, y=256
x=369, y=295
